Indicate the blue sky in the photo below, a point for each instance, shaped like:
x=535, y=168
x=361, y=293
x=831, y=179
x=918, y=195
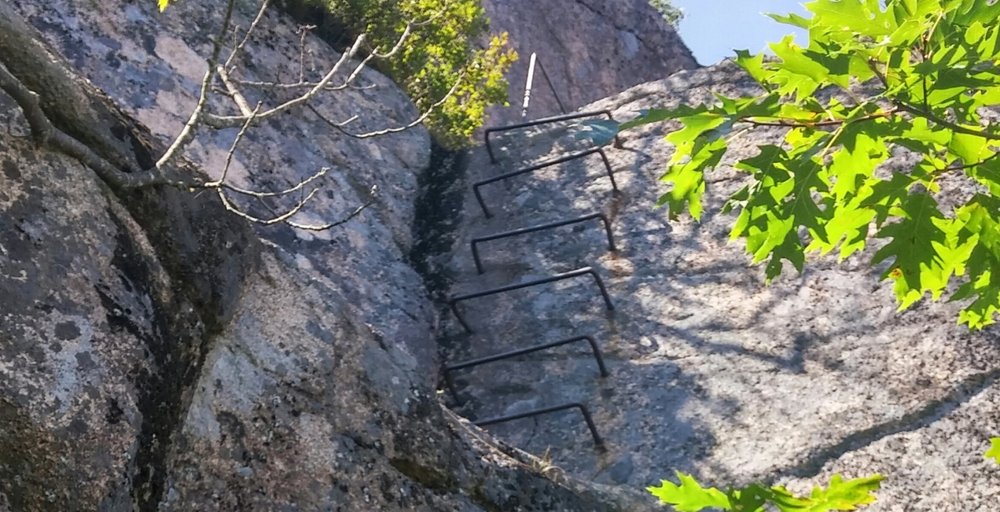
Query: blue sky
x=713, y=28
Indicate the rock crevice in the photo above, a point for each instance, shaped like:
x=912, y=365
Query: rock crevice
x=713, y=372
x=177, y=359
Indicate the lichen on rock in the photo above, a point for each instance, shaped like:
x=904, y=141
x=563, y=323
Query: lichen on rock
x=159, y=353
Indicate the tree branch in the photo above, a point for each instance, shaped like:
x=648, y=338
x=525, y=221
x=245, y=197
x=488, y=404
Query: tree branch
x=373, y=194
x=47, y=135
x=816, y=124
x=930, y=116
x=246, y=37
x=187, y=133
x=66, y=102
x=385, y=131
x=216, y=121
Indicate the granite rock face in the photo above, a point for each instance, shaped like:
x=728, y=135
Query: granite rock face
x=590, y=49
x=712, y=371
x=84, y=333
x=172, y=357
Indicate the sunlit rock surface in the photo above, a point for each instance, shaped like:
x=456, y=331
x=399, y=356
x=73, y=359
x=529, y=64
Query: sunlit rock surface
x=713, y=372
x=590, y=49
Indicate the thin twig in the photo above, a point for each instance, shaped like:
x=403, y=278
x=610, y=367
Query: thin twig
x=815, y=124
x=963, y=167
x=216, y=121
x=373, y=194
x=235, y=94
x=298, y=186
x=304, y=30
x=232, y=150
x=385, y=131
x=930, y=116
x=257, y=220
x=246, y=37
x=187, y=133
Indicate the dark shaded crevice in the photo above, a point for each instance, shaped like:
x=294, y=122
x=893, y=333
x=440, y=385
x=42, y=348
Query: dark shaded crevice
x=437, y=214
x=175, y=343
x=205, y=253
x=316, y=14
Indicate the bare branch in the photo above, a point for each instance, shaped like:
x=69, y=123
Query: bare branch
x=232, y=150
x=298, y=186
x=399, y=43
x=246, y=37
x=266, y=222
x=235, y=94
x=385, y=131
x=113, y=169
x=373, y=194
x=303, y=30
x=187, y=133
x=216, y=121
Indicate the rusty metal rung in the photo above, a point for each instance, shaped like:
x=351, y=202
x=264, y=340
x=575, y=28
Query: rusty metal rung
x=542, y=165
x=598, y=442
x=544, y=120
x=539, y=227
x=453, y=302
x=519, y=352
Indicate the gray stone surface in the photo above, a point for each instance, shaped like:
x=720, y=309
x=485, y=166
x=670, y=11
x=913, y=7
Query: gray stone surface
x=79, y=289
x=590, y=49
x=713, y=372
x=170, y=357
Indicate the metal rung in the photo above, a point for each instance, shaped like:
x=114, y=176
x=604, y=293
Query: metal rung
x=598, y=442
x=453, y=302
x=540, y=227
x=544, y=120
x=533, y=168
x=519, y=352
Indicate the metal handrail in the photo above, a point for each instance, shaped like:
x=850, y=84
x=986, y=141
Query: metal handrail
x=544, y=120
x=453, y=302
x=530, y=80
x=598, y=442
x=450, y=383
x=538, y=166
x=539, y=227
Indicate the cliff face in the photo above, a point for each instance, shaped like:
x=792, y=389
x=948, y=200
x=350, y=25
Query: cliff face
x=712, y=371
x=158, y=353
x=591, y=49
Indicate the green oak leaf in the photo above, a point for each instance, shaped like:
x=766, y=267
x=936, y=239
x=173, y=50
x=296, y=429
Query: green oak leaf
x=916, y=267
x=688, y=177
x=994, y=451
x=840, y=494
x=689, y=495
x=981, y=226
x=876, y=79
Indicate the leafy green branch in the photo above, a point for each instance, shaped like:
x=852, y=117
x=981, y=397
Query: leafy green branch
x=689, y=496
x=876, y=79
